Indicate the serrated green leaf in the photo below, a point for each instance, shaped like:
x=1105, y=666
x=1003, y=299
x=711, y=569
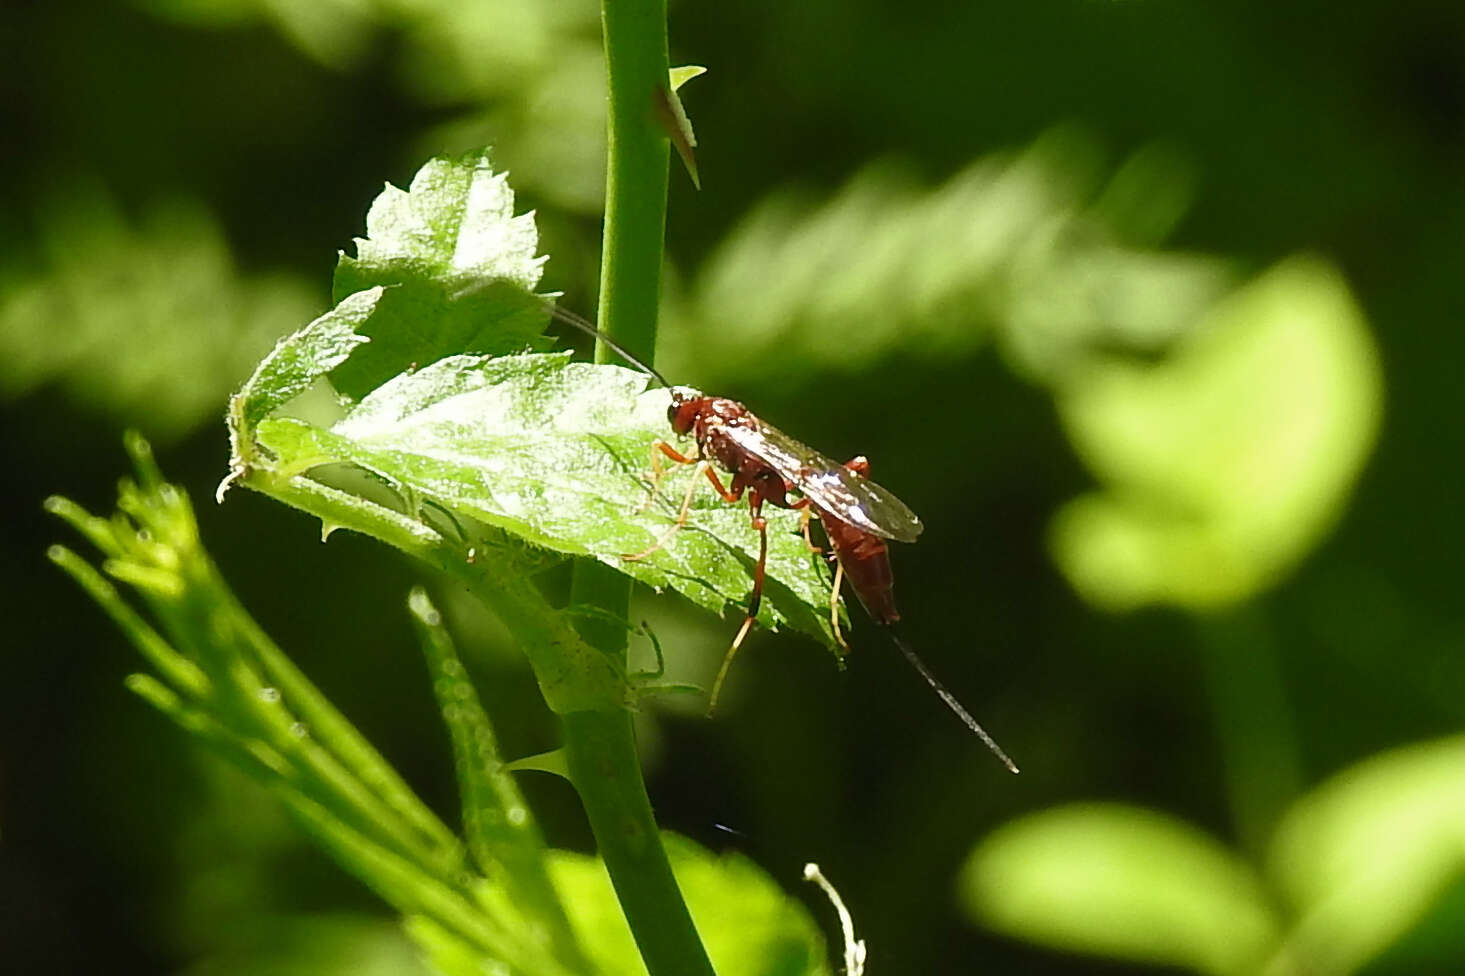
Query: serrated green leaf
x=300, y=359
x=462, y=266
x=749, y=925
x=1124, y=882
x=558, y=453
x=553, y=453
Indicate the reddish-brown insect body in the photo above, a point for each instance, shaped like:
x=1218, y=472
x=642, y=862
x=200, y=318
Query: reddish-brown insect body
x=864, y=557
x=866, y=562
x=857, y=515
x=726, y=432
x=710, y=420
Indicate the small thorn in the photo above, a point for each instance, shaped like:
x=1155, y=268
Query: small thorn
x=673, y=119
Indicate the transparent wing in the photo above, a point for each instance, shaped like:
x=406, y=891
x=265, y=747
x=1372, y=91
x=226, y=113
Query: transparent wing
x=828, y=484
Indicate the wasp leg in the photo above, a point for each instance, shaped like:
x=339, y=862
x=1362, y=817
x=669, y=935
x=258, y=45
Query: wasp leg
x=834, y=604
x=660, y=449
x=755, y=509
x=704, y=468
x=681, y=519
x=805, y=517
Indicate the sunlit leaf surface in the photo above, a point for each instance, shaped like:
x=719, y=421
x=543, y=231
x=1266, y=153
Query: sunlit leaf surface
x=459, y=267
x=299, y=360
x=558, y=453
x=446, y=408
x=1124, y=882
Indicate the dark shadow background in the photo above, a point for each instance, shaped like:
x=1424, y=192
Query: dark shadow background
x=1338, y=130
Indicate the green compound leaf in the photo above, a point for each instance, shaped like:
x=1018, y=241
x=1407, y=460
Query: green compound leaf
x=444, y=400
x=558, y=453
x=461, y=267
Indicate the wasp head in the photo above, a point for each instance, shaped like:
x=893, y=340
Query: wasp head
x=682, y=412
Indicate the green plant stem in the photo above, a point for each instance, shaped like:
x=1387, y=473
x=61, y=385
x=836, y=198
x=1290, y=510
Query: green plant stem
x=637, y=68
x=600, y=745
x=629, y=842
x=1253, y=721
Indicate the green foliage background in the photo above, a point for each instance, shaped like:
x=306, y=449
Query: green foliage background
x=1120, y=297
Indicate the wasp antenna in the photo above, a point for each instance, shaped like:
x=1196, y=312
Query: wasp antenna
x=586, y=326
x=950, y=700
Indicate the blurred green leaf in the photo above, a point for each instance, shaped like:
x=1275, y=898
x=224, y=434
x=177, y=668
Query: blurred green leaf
x=312, y=945
x=749, y=925
x=533, y=77
x=525, y=75
x=1225, y=462
x=549, y=131
x=1364, y=856
x=1148, y=195
x=483, y=49
x=151, y=323
x=1009, y=247
x=459, y=266
x=1125, y=882
x=454, y=50
x=333, y=32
